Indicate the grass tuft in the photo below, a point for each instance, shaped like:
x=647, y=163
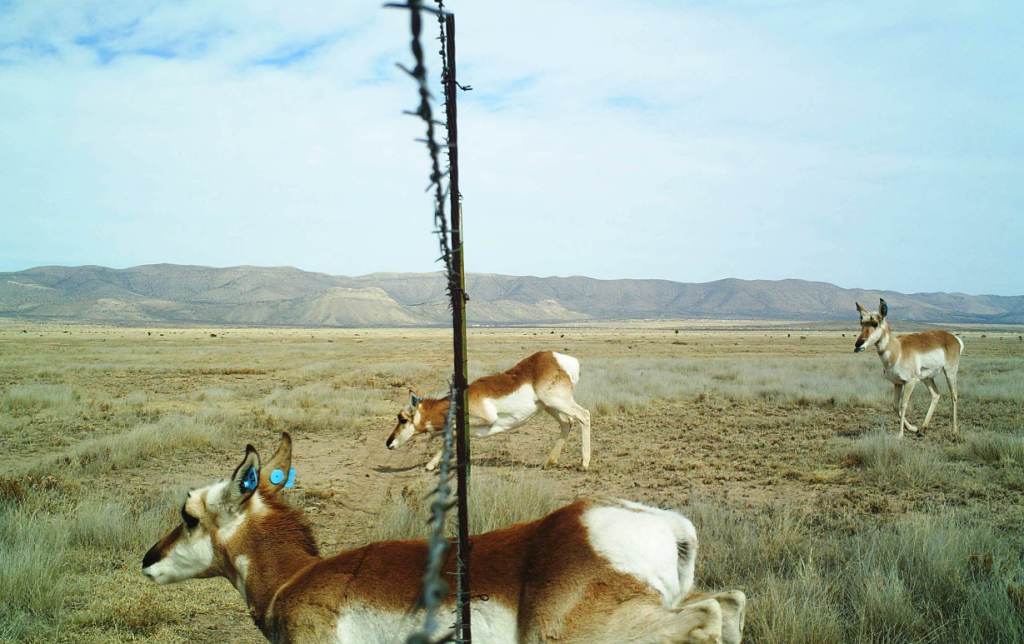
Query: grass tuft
x=993, y=447
x=498, y=501
x=29, y=398
x=886, y=458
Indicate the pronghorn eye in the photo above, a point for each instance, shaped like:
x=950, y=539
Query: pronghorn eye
x=401, y=419
x=190, y=521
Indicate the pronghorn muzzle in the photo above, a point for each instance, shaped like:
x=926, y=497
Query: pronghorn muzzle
x=859, y=345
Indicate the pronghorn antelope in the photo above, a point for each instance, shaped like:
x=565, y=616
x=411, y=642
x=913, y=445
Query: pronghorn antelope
x=590, y=572
x=910, y=357
x=504, y=401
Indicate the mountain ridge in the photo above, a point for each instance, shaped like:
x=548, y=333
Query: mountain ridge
x=288, y=296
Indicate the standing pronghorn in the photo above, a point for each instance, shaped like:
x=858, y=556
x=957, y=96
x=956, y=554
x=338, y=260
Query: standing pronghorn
x=911, y=357
x=503, y=401
x=588, y=573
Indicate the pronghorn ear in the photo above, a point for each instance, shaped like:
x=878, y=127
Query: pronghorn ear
x=860, y=309
x=414, y=398
x=246, y=478
x=278, y=472
x=883, y=308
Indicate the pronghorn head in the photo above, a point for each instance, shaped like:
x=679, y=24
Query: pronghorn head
x=202, y=545
x=411, y=421
x=872, y=325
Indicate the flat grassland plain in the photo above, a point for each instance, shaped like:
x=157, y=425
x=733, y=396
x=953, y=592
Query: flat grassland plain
x=777, y=440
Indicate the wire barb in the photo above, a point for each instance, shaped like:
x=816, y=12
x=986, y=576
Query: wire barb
x=442, y=498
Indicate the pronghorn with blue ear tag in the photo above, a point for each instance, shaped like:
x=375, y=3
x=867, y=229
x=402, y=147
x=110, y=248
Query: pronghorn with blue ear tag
x=503, y=401
x=591, y=572
x=910, y=357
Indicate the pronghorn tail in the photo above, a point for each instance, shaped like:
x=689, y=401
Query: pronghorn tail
x=570, y=365
x=961, y=341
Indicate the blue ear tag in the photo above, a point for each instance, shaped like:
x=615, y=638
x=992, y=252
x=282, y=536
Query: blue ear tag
x=250, y=481
x=291, y=478
x=276, y=476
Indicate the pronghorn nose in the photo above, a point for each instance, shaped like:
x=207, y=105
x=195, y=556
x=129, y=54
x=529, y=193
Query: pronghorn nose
x=390, y=442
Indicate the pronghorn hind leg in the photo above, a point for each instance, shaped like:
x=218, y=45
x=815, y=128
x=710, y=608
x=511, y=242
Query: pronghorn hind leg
x=565, y=425
x=953, y=393
x=933, y=388
x=908, y=391
x=585, y=435
x=577, y=413
x=733, y=604
x=639, y=621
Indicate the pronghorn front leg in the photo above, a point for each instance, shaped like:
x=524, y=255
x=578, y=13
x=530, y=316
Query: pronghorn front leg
x=908, y=390
x=954, y=393
x=432, y=463
x=932, y=387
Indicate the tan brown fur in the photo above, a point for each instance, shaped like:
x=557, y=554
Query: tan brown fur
x=540, y=368
x=546, y=573
x=551, y=384
x=925, y=340
x=909, y=357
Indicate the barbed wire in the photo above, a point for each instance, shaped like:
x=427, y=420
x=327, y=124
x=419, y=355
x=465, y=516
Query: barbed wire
x=435, y=589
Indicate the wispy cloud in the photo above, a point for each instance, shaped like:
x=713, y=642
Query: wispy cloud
x=296, y=52
x=655, y=139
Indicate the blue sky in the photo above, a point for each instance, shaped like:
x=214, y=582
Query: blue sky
x=871, y=144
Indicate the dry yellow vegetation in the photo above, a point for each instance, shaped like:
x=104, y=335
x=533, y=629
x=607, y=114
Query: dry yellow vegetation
x=775, y=439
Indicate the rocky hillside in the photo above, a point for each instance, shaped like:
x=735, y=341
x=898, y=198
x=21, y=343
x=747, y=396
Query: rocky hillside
x=250, y=295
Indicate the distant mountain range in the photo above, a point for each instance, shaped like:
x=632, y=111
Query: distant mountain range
x=285, y=296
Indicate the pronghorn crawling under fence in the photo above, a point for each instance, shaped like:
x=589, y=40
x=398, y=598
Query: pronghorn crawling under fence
x=590, y=572
x=503, y=401
x=910, y=357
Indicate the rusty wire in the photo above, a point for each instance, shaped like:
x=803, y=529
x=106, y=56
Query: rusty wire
x=435, y=589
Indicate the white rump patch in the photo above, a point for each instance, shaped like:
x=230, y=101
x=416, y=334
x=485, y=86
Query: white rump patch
x=569, y=365
x=642, y=541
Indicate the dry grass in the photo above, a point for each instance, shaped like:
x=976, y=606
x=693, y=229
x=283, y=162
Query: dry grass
x=994, y=448
x=838, y=531
x=919, y=579
x=28, y=398
x=498, y=501
x=888, y=459
x=141, y=443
